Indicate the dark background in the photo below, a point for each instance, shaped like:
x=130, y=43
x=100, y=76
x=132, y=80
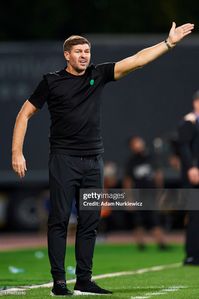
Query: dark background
x=49, y=19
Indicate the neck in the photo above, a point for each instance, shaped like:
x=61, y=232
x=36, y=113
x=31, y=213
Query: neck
x=72, y=71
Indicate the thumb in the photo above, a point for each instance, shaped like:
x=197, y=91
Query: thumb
x=173, y=25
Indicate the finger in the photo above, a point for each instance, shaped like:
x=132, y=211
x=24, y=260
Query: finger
x=19, y=172
x=187, y=27
x=187, y=24
x=187, y=33
x=25, y=167
x=173, y=25
x=16, y=169
x=22, y=171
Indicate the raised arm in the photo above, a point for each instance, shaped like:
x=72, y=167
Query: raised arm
x=147, y=55
x=18, y=160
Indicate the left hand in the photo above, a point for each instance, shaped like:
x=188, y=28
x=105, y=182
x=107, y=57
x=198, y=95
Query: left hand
x=176, y=34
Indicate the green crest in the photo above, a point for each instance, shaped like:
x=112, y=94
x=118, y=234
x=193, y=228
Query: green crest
x=92, y=82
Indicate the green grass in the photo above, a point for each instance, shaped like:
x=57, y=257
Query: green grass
x=108, y=258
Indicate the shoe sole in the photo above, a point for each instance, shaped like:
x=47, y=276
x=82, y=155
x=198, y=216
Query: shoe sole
x=76, y=293
x=52, y=294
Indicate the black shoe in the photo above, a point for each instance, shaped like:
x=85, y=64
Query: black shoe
x=60, y=289
x=192, y=261
x=89, y=287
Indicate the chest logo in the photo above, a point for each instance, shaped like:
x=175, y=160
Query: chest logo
x=92, y=81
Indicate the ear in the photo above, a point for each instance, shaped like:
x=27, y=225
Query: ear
x=66, y=55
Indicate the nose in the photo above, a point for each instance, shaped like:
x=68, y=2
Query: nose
x=83, y=55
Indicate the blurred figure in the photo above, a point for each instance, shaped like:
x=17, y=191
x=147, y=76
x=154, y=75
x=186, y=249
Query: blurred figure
x=141, y=171
x=111, y=175
x=189, y=153
x=110, y=182
x=141, y=174
x=174, y=162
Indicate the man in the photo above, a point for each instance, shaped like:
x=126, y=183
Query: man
x=140, y=170
x=142, y=173
x=189, y=153
x=73, y=98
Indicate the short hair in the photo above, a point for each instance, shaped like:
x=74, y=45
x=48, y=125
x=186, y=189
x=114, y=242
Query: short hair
x=74, y=40
x=196, y=95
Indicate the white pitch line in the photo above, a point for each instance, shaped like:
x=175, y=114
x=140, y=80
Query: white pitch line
x=163, y=291
x=101, y=276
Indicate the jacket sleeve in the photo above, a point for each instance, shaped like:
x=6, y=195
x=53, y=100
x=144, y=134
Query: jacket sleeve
x=186, y=134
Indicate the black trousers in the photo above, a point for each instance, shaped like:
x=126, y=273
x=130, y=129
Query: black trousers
x=192, y=236
x=67, y=174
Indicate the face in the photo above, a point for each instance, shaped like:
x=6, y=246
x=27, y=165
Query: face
x=78, y=57
x=196, y=105
x=137, y=145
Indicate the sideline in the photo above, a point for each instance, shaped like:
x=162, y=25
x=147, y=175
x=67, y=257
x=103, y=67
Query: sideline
x=162, y=291
x=22, y=290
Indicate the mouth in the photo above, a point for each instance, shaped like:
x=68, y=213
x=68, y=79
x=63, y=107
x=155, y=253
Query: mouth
x=83, y=62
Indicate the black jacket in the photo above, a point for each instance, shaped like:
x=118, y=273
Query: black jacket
x=188, y=133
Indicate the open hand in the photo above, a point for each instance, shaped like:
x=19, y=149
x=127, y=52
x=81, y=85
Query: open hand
x=176, y=34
